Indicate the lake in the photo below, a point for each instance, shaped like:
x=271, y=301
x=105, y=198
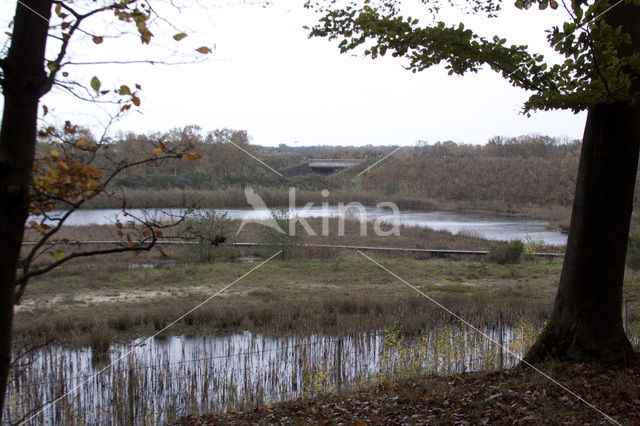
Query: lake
x=484, y=225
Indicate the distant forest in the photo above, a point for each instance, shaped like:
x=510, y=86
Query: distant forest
x=531, y=169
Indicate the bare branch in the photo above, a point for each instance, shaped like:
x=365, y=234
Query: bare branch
x=116, y=62
x=65, y=43
x=22, y=280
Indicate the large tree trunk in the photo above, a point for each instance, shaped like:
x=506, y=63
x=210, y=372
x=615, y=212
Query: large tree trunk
x=587, y=316
x=24, y=80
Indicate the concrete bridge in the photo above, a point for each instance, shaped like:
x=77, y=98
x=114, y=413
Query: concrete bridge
x=328, y=166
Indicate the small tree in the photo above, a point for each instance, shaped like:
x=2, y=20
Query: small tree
x=287, y=236
x=214, y=233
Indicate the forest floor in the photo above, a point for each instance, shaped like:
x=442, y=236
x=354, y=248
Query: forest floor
x=512, y=397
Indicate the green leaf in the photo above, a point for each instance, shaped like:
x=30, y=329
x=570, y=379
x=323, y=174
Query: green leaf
x=52, y=65
x=124, y=90
x=57, y=254
x=95, y=83
x=179, y=36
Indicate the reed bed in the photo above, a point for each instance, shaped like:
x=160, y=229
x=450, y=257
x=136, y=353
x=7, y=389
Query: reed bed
x=171, y=377
x=279, y=197
x=409, y=237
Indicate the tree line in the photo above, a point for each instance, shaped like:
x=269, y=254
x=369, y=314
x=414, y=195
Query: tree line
x=530, y=169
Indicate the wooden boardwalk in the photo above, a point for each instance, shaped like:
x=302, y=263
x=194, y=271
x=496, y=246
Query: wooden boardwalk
x=435, y=252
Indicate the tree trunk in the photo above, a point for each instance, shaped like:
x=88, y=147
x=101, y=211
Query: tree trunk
x=587, y=316
x=23, y=85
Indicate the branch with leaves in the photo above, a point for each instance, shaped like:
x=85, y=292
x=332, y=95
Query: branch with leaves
x=71, y=170
x=597, y=68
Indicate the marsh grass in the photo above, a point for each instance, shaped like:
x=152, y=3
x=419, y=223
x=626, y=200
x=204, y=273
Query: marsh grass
x=169, y=378
x=310, y=301
x=410, y=237
x=326, y=295
x=279, y=197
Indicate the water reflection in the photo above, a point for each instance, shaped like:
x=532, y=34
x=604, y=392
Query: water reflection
x=181, y=375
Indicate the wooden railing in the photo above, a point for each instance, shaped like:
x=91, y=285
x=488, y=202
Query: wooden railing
x=435, y=252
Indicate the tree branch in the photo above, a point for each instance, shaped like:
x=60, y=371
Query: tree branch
x=21, y=282
x=65, y=43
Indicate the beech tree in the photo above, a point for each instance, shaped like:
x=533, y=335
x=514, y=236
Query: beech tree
x=600, y=42
x=67, y=173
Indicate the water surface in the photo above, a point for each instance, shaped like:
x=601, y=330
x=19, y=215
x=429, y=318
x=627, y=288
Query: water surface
x=485, y=225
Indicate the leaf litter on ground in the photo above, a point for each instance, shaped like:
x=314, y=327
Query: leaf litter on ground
x=514, y=397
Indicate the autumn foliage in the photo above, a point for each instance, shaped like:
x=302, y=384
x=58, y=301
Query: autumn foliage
x=72, y=168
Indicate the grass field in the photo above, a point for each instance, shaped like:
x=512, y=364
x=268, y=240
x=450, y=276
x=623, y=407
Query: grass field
x=345, y=294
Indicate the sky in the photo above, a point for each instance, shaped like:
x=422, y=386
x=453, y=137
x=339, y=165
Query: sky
x=267, y=77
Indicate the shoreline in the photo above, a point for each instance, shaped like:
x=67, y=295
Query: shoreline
x=235, y=198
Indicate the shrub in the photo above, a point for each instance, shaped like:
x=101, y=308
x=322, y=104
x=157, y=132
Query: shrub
x=283, y=239
x=507, y=253
x=214, y=233
x=531, y=246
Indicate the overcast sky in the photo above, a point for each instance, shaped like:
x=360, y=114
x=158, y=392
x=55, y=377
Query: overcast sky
x=265, y=76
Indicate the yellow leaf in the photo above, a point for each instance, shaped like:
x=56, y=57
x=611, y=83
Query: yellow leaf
x=192, y=157
x=270, y=406
x=90, y=170
x=95, y=83
x=204, y=50
x=158, y=150
x=63, y=165
x=179, y=36
x=54, y=153
x=81, y=142
x=124, y=90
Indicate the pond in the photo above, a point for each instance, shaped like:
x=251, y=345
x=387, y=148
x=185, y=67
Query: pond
x=174, y=376
x=484, y=225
